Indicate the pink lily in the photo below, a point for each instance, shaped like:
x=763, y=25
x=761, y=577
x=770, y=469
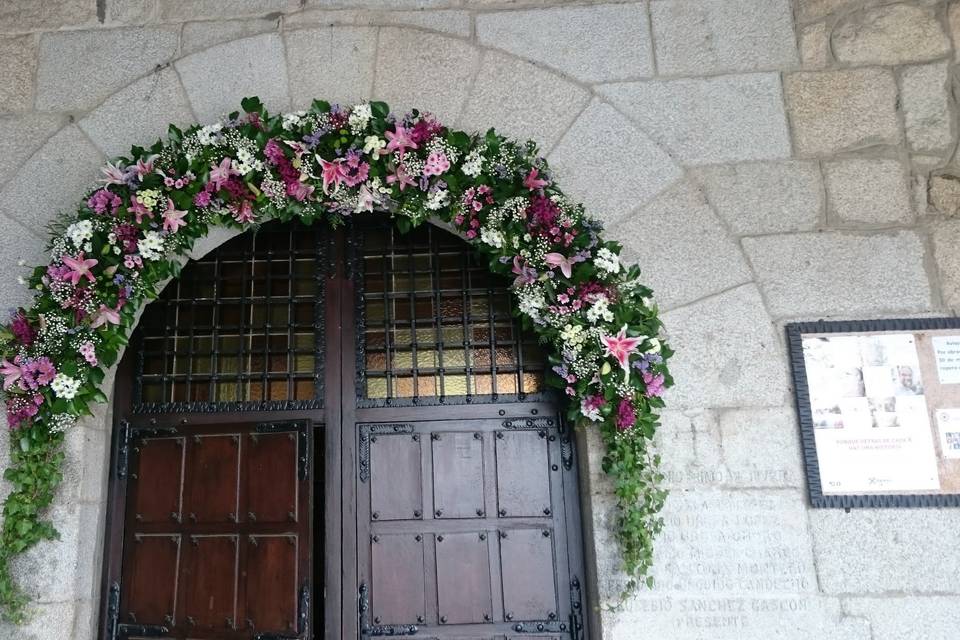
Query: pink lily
x=115, y=173
x=566, y=264
x=80, y=268
x=219, y=174
x=145, y=167
x=139, y=210
x=10, y=372
x=620, y=347
x=532, y=182
x=401, y=177
x=525, y=273
x=104, y=316
x=244, y=213
x=399, y=140
x=333, y=173
x=173, y=218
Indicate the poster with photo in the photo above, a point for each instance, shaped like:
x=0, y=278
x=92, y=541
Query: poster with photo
x=877, y=409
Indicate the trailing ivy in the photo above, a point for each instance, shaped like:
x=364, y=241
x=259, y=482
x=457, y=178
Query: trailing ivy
x=324, y=165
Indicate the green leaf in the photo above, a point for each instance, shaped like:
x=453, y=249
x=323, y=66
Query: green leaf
x=252, y=105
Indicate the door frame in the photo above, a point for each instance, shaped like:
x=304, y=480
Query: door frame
x=341, y=614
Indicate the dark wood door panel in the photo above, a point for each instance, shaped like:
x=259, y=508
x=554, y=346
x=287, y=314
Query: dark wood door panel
x=210, y=572
x=463, y=578
x=270, y=478
x=397, y=568
x=529, y=574
x=523, y=473
x=159, y=489
x=396, y=491
x=212, y=478
x=458, y=487
x=224, y=573
x=271, y=583
x=154, y=572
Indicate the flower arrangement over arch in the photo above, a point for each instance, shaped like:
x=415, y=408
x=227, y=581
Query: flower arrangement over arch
x=327, y=164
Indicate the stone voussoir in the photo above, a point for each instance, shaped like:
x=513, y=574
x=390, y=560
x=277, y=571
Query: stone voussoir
x=521, y=100
x=218, y=78
x=139, y=113
x=692, y=256
x=709, y=120
x=330, y=63
x=601, y=153
x=79, y=69
x=402, y=54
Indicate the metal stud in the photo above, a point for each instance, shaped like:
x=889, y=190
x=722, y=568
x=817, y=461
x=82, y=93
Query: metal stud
x=480, y=512
x=439, y=538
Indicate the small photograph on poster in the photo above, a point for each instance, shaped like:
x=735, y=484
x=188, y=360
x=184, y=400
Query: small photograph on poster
x=883, y=412
x=827, y=417
x=855, y=413
x=833, y=369
x=947, y=352
x=891, y=365
x=948, y=421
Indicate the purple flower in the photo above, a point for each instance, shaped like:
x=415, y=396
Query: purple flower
x=654, y=384
x=626, y=415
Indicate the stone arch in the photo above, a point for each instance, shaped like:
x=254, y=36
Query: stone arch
x=590, y=142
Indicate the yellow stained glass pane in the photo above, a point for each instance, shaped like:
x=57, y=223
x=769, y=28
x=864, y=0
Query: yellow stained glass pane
x=483, y=384
x=278, y=389
x=228, y=364
x=304, y=340
x=153, y=392
x=454, y=358
x=532, y=383
x=303, y=363
x=376, y=387
x=200, y=364
x=304, y=390
x=402, y=360
x=455, y=385
x=227, y=392
x=506, y=383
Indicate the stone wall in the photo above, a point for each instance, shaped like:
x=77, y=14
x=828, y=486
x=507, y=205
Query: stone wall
x=763, y=160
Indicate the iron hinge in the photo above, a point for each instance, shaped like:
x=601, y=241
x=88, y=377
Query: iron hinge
x=123, y=452
x=368, y=630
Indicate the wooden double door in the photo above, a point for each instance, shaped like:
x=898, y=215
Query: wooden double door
x=424, y=486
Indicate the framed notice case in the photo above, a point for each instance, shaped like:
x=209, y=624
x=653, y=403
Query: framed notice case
x=879, y=408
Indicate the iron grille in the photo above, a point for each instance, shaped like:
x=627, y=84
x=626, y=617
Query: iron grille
x=242, y=328
x=434, y=325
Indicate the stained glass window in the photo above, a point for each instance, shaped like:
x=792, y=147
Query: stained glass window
x=436, y=322
x=241, y=326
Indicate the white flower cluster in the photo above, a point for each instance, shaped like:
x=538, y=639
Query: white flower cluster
x=531, y=301
x=607, y=260
x=292, y=120
x=439, y=145
x=573, y=336
x=246, y=148
x=473, y=164
x=80, y=232
x=438, y=199
x=373, y=144
x=61, y=422
x=148, y=197
x=209, y=134
x=151, y=246
x=359, y=118
x=65, y=387
x=492, y=237
x=600, y=309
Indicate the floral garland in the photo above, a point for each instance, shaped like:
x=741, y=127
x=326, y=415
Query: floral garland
x=329, y=163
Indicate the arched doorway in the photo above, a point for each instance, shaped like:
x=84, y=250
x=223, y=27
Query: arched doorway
x=340, y=435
